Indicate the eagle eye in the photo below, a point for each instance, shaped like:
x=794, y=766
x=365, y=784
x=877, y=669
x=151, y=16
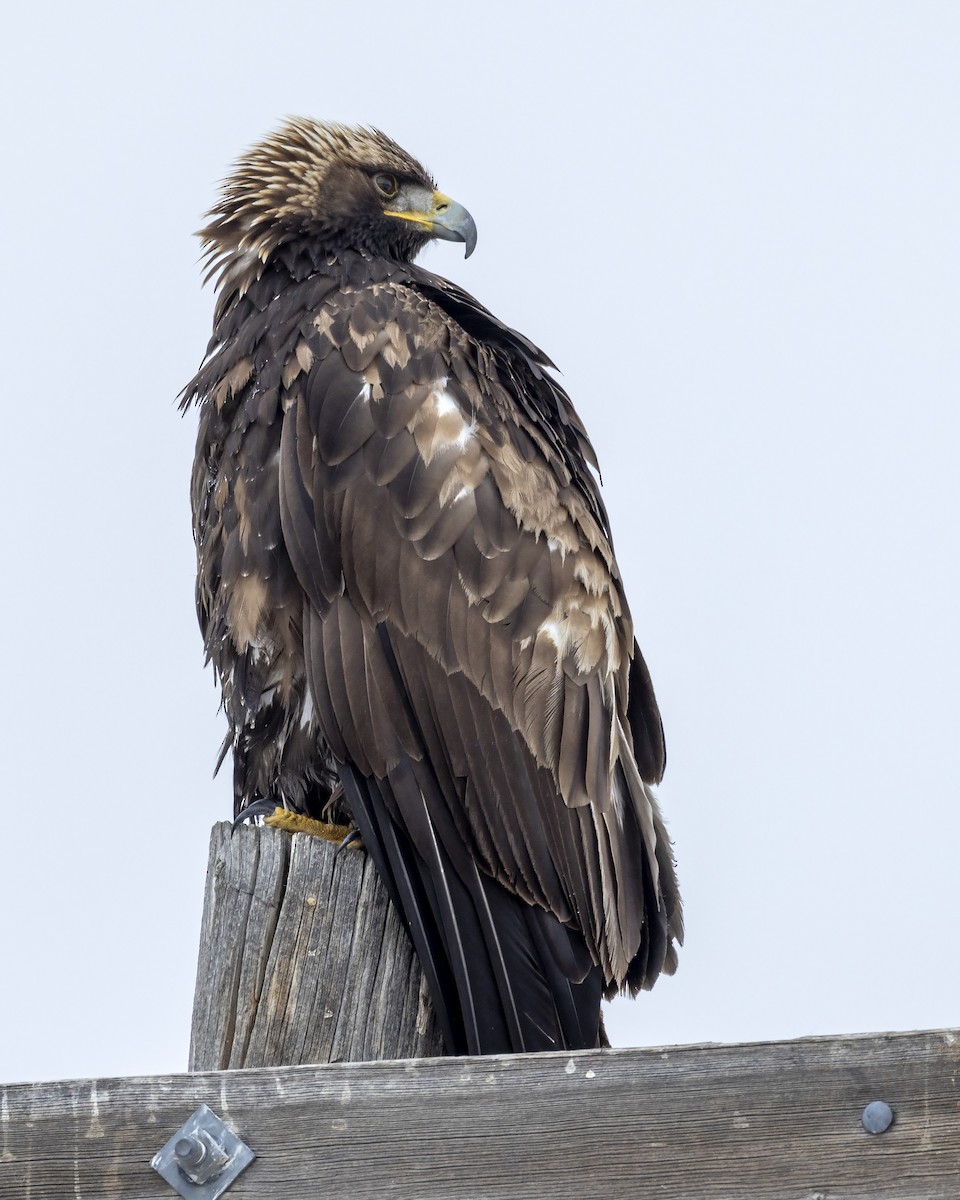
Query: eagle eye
x=386, y=185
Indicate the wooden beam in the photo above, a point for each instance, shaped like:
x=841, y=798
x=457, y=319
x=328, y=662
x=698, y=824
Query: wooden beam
x=302, y=959
x=767, y=1120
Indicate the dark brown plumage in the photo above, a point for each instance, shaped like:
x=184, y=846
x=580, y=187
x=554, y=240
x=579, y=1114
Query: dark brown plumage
x=406, y=581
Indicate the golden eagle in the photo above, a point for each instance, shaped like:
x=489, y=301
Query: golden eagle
x=407, y=588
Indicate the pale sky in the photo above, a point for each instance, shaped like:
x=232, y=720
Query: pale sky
x=734, y=226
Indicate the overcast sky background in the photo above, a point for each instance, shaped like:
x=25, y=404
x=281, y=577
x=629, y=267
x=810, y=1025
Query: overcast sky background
x=735, y=228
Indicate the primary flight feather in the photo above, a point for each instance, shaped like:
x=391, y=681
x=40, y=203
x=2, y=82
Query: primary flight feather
x=407, y=587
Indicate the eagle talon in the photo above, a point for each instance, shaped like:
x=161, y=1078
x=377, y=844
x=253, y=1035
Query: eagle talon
x=259, y=808
x=294, y=822
x=353, y=838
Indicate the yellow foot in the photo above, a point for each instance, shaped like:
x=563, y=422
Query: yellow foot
x=294, y=822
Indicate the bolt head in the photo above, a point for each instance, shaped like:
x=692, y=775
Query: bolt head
x=877, y=1117
x=189, y=1151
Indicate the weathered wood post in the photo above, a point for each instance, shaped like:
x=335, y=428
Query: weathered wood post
x=302, y=959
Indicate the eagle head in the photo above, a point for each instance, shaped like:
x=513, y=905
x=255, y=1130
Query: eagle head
x=327, y=188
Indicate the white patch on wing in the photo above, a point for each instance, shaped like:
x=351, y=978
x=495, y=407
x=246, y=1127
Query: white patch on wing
x=444, y=401
x=441, y=425
x=306, y=712
x=466, y=434
x=558, y=632
x=455, y=429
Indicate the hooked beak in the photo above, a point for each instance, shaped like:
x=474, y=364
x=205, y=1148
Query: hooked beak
x=442, y=218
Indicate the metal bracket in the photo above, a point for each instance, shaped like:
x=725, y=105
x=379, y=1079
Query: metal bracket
x=203, y=1157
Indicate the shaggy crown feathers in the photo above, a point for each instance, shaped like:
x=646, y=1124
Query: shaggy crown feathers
x=281, y=190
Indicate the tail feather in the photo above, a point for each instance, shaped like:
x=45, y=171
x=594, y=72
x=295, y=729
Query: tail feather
x=504, y=977
x=408, y=883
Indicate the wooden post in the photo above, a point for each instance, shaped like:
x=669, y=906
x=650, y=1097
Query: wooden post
x=302, y=959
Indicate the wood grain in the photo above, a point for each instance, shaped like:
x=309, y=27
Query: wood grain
x=772, y=1120
x=302, y=959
